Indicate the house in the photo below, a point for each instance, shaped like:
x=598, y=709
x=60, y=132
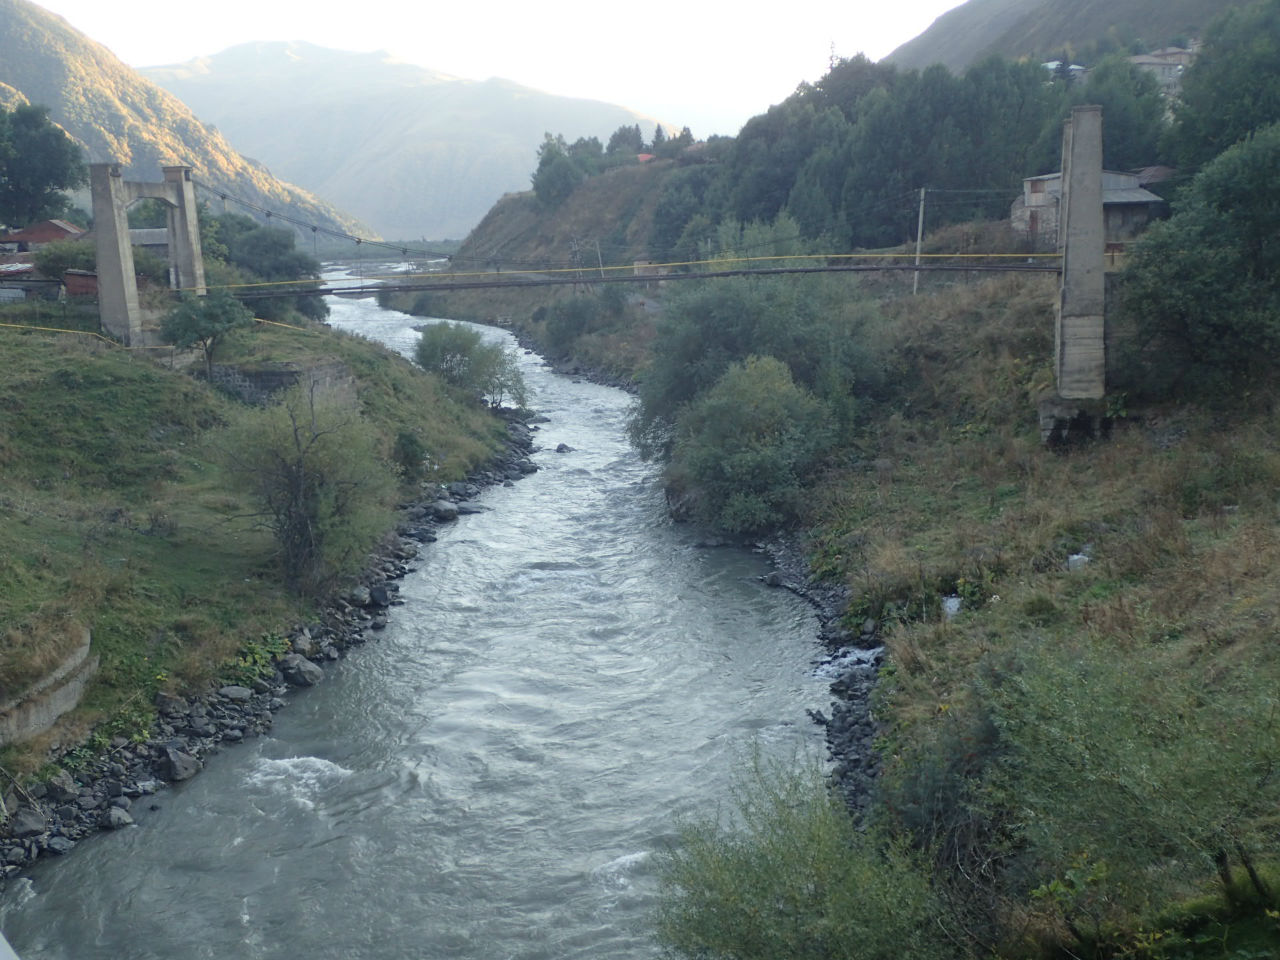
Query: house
x=20, y=280
x=38, y=234
x=1127, y=208
x=1167, y=65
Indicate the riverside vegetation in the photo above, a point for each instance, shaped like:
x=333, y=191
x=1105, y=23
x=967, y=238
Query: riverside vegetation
x=1076, y=708
x=1078, y=723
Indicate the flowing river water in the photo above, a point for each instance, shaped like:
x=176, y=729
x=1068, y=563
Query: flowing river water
x=570, y=676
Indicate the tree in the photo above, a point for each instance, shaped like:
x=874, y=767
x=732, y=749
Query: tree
x=1233, y=87
x=313, y=467
x=626, y=140
x=1204, y=285
x=204, y=322
x=743, y=447
x=557, y=175
x=258, y=252
x=37, y=162
x=460, y=357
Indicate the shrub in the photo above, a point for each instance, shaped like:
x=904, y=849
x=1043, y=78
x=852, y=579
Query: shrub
x=1130, y=779
x=742, y=448
x=459, y=356
x=312, y=465
x=794, y=878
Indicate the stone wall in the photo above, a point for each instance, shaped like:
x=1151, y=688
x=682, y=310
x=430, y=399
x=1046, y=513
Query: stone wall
x=36, y=709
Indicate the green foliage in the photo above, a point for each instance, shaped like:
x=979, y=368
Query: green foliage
x=258, y=253
x=1203, y=287
x=312, y=465
x=55, y=259
x=256, y=658
x=148, y=214
x=557, y=173
x=709, y=325
x=409, y=453
x=38, y=161
x=459, y=356
x=744, y=446
x=1128, y=778
x=204, y=322
x=626, y=140
x=1233, y=87
x=794, y=877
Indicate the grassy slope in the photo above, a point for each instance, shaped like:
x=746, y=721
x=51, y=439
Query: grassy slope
x=117, y=515
x=956, y=496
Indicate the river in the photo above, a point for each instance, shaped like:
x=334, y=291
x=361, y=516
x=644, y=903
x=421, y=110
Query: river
x=570, y=676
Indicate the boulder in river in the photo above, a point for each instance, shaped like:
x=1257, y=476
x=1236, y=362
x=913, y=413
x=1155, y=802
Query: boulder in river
x=444, y=510
x=299, y=671
x=115, y=819
x=178, y=765
x=27, y=822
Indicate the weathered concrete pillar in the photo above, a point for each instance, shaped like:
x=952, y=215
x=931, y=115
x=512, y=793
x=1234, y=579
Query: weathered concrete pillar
x=1080, y=334
x=117, y=288
x=184, y=231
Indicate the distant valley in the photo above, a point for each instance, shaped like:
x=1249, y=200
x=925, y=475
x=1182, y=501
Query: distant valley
x=410, y=151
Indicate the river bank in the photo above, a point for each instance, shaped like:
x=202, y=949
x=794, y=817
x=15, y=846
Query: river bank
x=112, y=790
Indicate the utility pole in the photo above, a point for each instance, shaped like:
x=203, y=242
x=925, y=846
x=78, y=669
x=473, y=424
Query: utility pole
x=915, y=281
x=599, y=260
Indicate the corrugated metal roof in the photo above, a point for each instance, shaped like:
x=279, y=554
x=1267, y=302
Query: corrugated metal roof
x=16, y=269
x=1131, y=195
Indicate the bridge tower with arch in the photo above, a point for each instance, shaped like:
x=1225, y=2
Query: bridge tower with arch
x=118, y=307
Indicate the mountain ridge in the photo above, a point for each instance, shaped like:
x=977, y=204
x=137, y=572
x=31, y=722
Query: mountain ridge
x=434, y=152
x=1032, y=28
x=119, y=116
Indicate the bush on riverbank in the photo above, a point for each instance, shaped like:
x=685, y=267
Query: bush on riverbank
x=794, y=877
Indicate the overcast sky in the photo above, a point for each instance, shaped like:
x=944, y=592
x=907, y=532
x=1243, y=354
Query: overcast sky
x=710, y=64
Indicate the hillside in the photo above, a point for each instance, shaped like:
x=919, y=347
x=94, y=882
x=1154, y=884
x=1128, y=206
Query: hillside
x=119, y=116
x=434, y=152
x=615, y=209
x=1039, y=28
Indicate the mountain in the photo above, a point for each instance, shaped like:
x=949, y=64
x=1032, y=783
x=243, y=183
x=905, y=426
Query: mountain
x=1038, y=28
x=118, y=115
x=411, y=151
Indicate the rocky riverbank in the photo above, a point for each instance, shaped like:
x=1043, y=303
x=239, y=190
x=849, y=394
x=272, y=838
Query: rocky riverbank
x=109, y=792
x=852, y=663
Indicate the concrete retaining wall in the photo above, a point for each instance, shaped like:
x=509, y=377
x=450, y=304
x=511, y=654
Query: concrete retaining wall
x=36, y=709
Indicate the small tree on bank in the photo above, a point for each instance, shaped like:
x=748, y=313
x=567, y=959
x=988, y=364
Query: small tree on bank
x=460, y=357
x=312, y=465
x=204, y=322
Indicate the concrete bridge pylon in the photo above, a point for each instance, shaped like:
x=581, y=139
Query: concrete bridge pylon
x=118, y=307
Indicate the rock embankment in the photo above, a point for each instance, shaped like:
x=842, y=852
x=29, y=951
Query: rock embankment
x=852, y=663
x=110, y=791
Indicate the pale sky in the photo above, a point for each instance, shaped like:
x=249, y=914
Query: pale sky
x=710, y=64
